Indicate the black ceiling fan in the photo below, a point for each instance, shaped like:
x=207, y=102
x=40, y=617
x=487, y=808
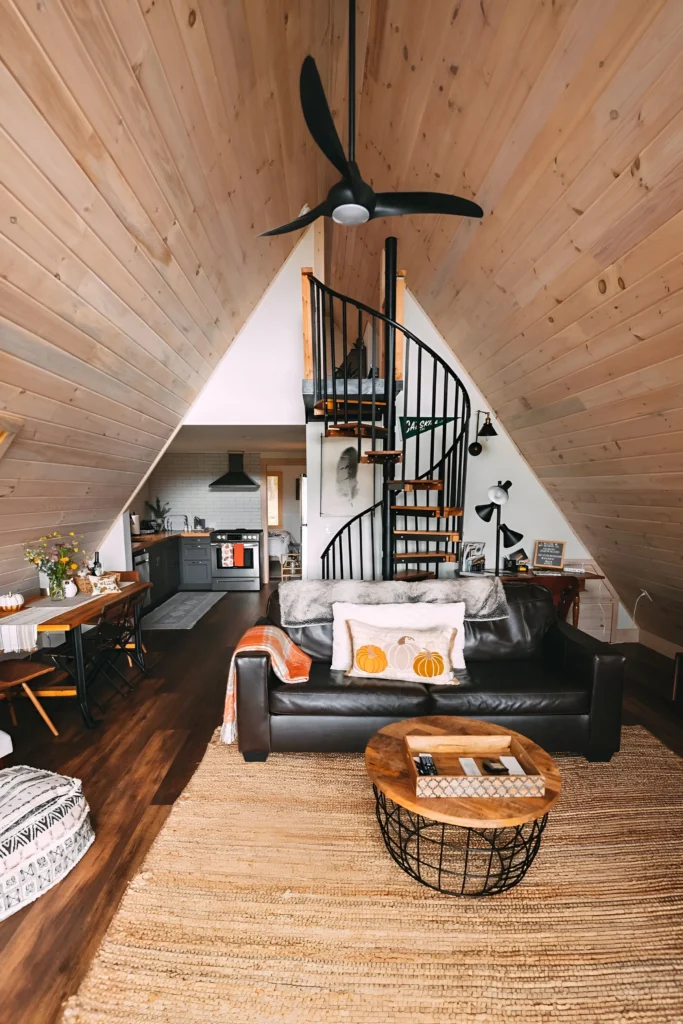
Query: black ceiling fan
x=352, y=200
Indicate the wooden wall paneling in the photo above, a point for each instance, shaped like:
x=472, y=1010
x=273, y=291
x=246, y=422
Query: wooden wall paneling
x=32, y=134
x=610, y=297
x=145, y=146
x=50, y=94
x=33, y=191
x=526, y=194
x=124, y=137
x=62, y=289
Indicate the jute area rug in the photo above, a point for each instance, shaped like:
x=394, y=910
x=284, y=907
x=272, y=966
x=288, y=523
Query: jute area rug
x=269, y=897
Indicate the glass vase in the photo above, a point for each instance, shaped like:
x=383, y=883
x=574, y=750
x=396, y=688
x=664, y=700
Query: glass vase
x=57, y=590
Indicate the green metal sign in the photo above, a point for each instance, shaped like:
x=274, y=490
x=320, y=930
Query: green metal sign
x=412, y=425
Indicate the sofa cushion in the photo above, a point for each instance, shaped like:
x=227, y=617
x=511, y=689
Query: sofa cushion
x=518, y=688
x=520, y=635
x=532, y=612
x=333, y=693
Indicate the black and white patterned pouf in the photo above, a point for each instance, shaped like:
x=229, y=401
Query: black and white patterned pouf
x=44, y=831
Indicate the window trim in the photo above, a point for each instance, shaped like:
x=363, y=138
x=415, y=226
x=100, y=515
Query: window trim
x=276, y=473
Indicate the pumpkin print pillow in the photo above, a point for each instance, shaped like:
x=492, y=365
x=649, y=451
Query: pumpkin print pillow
x=416, y=656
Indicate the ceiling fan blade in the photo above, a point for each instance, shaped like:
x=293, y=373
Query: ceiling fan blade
x=392, y=204
x=318, y=117
x=300, y=222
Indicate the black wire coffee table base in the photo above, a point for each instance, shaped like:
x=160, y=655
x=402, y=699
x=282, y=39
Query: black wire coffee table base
x=454, y=860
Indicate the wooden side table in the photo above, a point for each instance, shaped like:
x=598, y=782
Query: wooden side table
x=464, y=846
x=566, y=588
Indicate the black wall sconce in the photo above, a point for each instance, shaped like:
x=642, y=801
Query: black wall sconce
x=485, y=430
x=498, y=496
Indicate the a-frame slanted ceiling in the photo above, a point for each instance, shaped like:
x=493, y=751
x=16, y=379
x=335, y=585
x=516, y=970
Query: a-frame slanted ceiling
x=141, y=150
x=565, y=303
x=145, y=142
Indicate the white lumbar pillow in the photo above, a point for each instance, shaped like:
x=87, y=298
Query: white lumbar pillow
x=397, y=616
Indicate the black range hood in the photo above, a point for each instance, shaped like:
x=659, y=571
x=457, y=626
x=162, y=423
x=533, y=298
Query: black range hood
x=235, y=479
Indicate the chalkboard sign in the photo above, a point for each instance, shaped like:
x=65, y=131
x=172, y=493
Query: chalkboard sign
x=549, y=554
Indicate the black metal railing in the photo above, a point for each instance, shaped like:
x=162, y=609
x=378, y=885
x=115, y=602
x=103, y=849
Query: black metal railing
x=421, y=412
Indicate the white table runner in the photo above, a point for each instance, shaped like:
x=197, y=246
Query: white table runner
x=19, y=632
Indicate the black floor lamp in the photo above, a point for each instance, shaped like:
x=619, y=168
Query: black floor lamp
x=499, y=495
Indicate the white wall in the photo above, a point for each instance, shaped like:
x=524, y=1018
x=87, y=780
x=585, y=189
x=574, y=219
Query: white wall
x=531, y=510
x=115, y=550
x=182, y=481
x=259, y=378
x=321, y=529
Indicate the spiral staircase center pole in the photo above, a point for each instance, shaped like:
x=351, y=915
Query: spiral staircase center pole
x=390, y=265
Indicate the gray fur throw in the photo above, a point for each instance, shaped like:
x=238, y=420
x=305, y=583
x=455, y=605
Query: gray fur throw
x=307, y=602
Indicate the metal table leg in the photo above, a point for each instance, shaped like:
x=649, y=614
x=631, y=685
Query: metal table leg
x=81, y=685
x=139, y=650
x=454, y=860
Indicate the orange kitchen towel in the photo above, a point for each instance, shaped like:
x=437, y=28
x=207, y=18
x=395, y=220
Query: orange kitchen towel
x=238, y=554
x=289, y=663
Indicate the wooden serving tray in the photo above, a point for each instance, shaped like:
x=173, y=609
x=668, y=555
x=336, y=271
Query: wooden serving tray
x=452, y=780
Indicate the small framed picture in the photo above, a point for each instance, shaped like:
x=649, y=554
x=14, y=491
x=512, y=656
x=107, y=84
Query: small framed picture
x=549, y=554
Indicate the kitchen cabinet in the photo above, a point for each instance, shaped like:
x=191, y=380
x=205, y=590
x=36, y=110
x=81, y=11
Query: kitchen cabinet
x=176, y=563
x=195, y=568
x=164, y=571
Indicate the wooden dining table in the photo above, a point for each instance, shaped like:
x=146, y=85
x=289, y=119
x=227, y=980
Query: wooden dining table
x=71, y=619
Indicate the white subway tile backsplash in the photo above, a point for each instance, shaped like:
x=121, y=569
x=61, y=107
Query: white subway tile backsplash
x=182, y=481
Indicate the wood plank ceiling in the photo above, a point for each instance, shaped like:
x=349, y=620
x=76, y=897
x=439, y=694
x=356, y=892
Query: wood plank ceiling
x=142, y=146
x=565, y=303
x=144, y=142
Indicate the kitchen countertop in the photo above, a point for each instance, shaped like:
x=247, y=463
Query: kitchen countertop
x=142, y=541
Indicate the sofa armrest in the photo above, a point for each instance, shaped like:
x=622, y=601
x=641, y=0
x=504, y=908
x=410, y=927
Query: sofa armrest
x=570, y=650
x=252, y=670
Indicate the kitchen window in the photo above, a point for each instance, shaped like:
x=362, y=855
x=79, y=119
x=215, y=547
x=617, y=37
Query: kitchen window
x=274, y=500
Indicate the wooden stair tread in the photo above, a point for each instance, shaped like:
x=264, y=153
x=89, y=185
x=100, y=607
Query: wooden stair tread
x=437, y=535
x=416, y=485
x=413, y=575
x=426, y=510
x=382, y=455
x=351, y=400
x=354, y=429
x=425, y=556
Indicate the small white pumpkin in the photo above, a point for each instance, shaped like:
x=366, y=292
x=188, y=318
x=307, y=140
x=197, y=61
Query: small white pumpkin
x=11, y=602
x=402, y=653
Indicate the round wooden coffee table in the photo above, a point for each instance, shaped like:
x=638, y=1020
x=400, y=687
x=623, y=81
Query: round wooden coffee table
x=464, y=846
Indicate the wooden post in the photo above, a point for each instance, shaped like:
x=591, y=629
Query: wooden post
x=400, y=313
x=307, y=323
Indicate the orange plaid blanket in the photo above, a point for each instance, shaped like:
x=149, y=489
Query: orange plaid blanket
x=289, y=662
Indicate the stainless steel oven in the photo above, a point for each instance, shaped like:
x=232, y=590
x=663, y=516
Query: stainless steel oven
x=236, y=560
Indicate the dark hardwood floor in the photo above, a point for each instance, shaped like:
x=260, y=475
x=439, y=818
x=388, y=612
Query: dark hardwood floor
x=133, y=768
x=136, y=764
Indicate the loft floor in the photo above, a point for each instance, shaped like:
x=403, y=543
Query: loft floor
x=135, y=766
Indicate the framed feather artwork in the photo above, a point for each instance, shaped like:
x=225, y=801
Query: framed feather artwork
x=346, y=485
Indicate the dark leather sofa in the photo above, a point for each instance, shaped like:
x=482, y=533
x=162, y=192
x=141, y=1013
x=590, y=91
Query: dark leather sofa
x=529, y=672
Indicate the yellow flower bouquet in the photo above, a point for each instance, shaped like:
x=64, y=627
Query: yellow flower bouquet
x=56, y=557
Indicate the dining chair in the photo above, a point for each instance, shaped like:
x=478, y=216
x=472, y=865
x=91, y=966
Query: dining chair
x=15, y=676
x=101, y=645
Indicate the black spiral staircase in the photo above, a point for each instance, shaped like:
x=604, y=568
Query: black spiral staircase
x=404, y=411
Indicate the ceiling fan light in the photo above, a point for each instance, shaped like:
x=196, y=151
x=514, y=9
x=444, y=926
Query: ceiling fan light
x=350, y=214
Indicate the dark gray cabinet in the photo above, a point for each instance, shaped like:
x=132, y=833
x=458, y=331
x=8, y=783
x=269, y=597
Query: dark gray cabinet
x=195, y=567
x=164, y=570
